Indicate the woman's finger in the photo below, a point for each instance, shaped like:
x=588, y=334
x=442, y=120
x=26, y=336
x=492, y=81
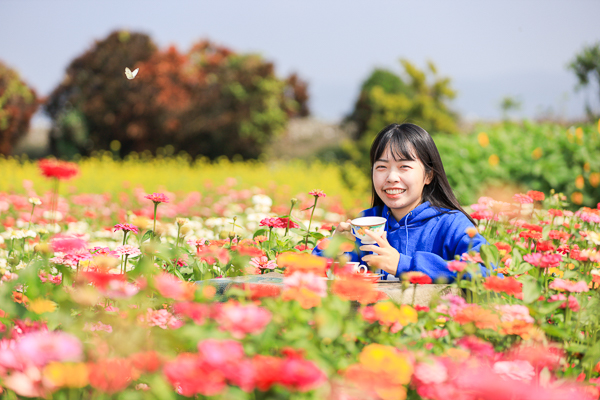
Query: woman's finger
x=380, y=240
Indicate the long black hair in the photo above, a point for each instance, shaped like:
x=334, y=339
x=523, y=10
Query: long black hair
x=411, y=142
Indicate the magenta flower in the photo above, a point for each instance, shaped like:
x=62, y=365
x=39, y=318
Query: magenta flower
x=240, y=320
x=457, y=266
x=126, y=228
x=522, y=198
x=128, y=250
x=317, y=193
x=263, y=262
x=157, y=198
x=41, y=348
x=569, y=286
x=67, y=244
x=543, y=260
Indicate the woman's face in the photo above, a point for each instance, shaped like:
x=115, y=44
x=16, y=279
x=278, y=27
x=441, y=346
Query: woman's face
x=399, y=183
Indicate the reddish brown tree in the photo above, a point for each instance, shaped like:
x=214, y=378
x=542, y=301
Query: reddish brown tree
x=18, y=102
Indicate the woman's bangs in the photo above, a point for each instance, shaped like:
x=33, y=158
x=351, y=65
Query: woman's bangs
x=401, y=148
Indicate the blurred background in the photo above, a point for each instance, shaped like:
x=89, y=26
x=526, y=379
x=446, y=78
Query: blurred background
x=509, y=89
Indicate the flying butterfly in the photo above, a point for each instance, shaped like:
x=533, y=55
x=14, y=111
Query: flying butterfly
x=129, y=74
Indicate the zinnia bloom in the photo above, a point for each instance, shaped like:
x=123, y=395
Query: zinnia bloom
x=112, y=375
x=170, y=286
x=263, y=262
x=62, y=170
x=543, y=260
x=317, y=193
x=40, y=348
x=417, y=278
x=535, y=195
x=129, y=250
x=569, y=286
x=157, y=198
x=126, y=228
x=522, y=198
x=508, y=285
x=240, y=320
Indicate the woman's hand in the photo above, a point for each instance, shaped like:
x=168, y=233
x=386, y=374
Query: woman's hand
x=385, y=256
x=345, y=229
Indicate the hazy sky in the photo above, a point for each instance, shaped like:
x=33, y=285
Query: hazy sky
x=490, y=48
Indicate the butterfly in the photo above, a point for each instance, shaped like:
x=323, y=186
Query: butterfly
x=129, y=74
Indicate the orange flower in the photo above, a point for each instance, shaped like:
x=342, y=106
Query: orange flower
x=482, y=318
x=20, y=298
x=506, y=285
x=535, y=195
x=353, y=287
x=306, y=297
x=302, y=262
x=517, y=327
x=111, y=375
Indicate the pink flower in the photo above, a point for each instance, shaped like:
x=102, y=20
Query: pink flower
x=306, y=280
x=518, y=370
x=129, y=250
x=514, y=312
x=99, y=326
x=240, y=320
x=543, y=260
x=172, y=287
x=119, y=289
x=157, y=198
x=228, y=357
x=263, y=262
x=190, y=375
x=522, y=198
x=431, y=372
x=197, y=243
x=41, y=348
x=457, y=266
x=126, y=228
x=103, y=251
x=269, y=222
x=67, y=244
x=317, y=193
x=163, y=319
x=569, y=286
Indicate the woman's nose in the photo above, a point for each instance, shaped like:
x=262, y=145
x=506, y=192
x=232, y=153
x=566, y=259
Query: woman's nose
x=393, y=176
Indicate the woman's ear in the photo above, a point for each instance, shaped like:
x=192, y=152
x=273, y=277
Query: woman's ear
x=428, y=177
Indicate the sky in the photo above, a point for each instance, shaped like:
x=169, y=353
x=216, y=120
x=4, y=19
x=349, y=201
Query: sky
x=489, y=49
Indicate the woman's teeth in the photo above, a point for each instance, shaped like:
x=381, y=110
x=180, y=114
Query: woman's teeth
x=395, y=191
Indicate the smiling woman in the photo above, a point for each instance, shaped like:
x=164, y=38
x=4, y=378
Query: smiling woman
x=425, y=225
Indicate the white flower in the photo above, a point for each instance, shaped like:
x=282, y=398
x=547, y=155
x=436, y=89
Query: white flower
x=20, y=265
x=35, y=201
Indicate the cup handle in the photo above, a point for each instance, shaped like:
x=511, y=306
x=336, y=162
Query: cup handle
x=363, y=269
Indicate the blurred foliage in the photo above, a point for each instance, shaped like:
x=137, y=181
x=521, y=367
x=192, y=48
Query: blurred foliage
x=587, y=69
x=282, y=180
x=18, y=102
x=210, y=101
x=537, y=156
x=387, y=98
x=414, y=97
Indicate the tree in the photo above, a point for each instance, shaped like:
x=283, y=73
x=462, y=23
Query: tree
x=587, y=69
x=210, y=101
x=18, y=103
x=386, y=98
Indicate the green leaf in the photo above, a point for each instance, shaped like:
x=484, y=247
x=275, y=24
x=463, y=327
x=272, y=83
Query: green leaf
x=548, y=308
x=147, y=235
x=522, y=268
x=489, y=255
x=556, y=331
x=532, y=288
x=517, y=258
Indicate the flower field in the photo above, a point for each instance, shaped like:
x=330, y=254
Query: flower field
x=100, y=300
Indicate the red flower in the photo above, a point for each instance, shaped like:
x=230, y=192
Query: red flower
x=267, y=371
x=190, y=375
x=532, y=227
x=418, y=278
x=317, y=193
x=535, y=195
x=555, y=212
x=101, y=280
x=286, y=223
x=507, y=285
x=157, y=198
x=301, y=375
x=112, y=375
x=146, y=361
x=58, y=169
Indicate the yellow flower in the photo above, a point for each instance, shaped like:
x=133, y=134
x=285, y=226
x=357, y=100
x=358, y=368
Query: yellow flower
x=382, y=359
x=537, y=153
x=579, y=134
x=579, y=182
x=483, y=139
x=71, y=375
x=388, y=313
x=577, y=198
x=494, y=160
x=556, y=272
x=40, y=306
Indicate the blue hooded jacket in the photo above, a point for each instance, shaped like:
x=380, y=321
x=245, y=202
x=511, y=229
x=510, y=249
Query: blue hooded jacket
x=426, y=239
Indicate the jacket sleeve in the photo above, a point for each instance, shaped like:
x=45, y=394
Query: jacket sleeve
x=456, y=241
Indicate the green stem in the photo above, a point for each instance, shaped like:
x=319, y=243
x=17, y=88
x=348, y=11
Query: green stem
x=125, y=264
x=310, y=221
x=154, y=225
x=287, y=227
x=412, y=302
